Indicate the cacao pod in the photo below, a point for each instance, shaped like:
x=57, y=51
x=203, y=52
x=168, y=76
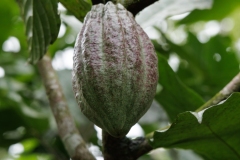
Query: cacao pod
x=115, y=69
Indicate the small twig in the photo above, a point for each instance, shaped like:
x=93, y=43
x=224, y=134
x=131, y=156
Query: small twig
x=68, y=132
x=124, y=148
x=232, y=86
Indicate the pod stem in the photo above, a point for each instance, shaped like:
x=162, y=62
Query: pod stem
x=124, y=148
x=68, y=132
x=133, y=6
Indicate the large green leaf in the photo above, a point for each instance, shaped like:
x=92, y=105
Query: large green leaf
x=220, y=9
x=210, y=66
x=213, y=133
x=42, y=25
x=79, y=8
x=172, y=94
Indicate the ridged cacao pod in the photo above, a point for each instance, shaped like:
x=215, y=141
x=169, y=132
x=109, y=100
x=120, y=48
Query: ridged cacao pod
x=115, y=69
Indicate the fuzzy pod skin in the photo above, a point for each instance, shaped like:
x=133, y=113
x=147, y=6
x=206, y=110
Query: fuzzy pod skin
x=114, y=69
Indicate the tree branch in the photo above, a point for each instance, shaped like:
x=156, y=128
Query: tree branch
x=124, y=148
x=232, y=86
x=68, y=132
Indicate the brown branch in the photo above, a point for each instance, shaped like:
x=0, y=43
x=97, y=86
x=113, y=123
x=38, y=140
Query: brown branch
x=124, y=148
x=232, y=86
x=68, y=132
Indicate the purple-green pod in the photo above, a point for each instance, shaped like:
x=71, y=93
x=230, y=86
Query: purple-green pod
x=115, y=71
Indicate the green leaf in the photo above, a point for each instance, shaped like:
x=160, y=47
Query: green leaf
x=42, y=25
x=79, y=8
x=172, y=94
x=210, y=66
x=213, y=133
x=220, y=9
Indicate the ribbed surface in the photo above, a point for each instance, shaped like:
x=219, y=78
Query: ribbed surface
x=115, y=69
